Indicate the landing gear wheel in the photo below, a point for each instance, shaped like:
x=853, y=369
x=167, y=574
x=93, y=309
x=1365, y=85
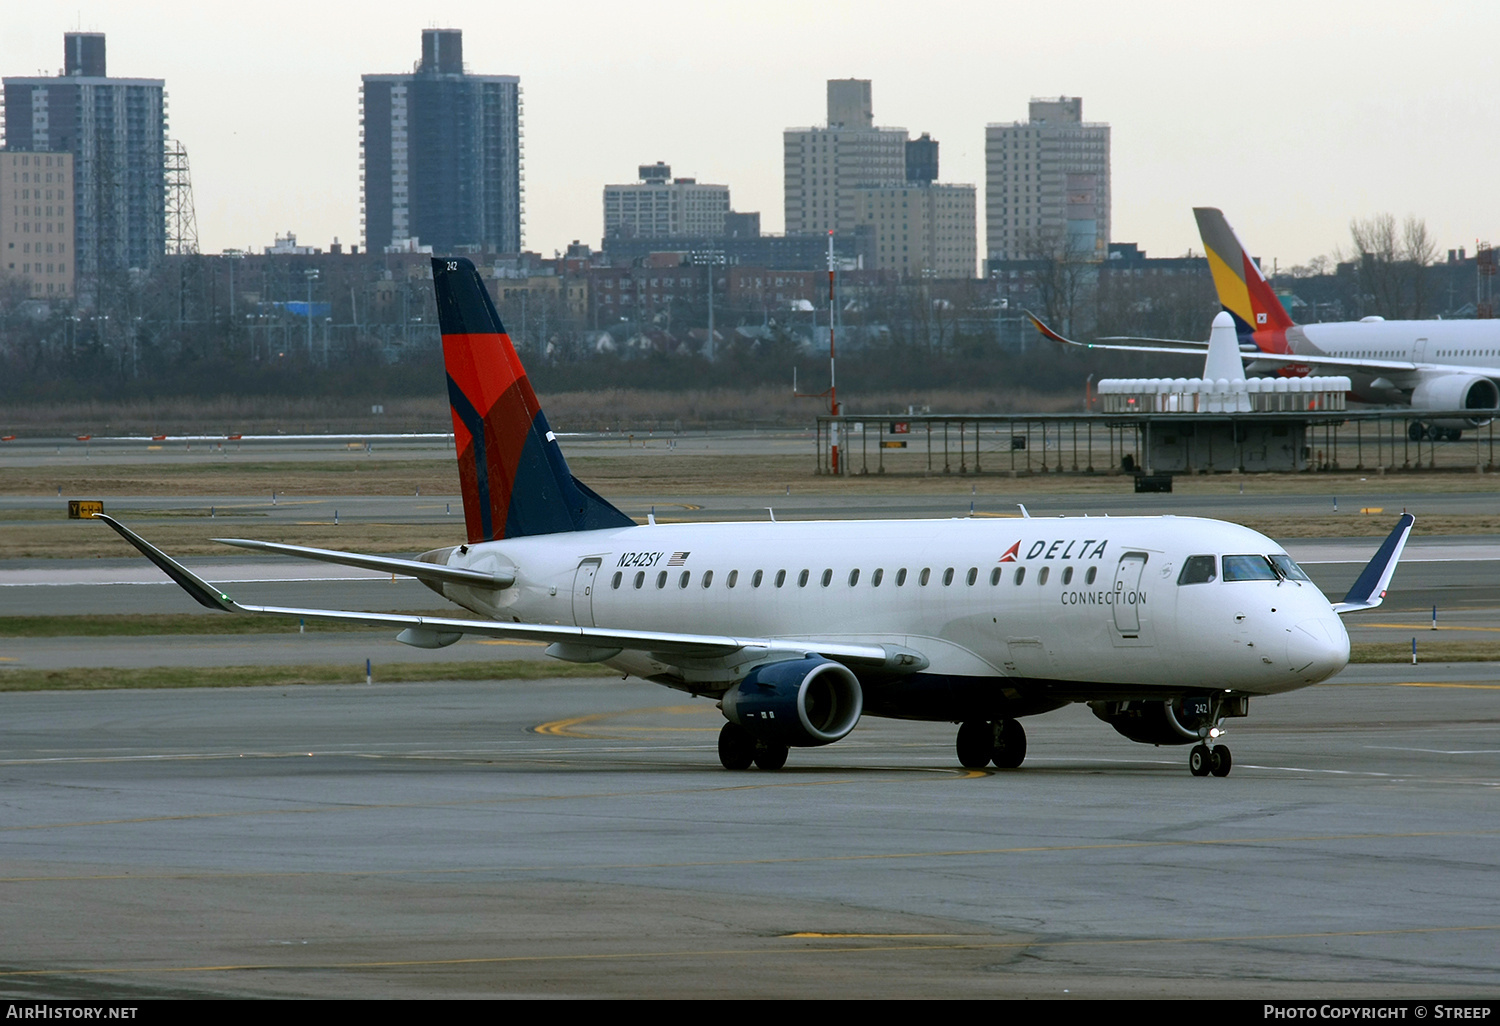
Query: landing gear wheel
x=1010, y=745
x=1220, y=761
x=736, y=747
x=1200, y=761
x=769, y=755
x=976, y=743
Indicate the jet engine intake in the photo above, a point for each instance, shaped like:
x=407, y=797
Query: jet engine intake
x=1457, y=392
x=1158, y=723
x=801, y=703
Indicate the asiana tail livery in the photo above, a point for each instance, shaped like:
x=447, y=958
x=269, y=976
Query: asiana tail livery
x=1448, y=372
x=1165, y=626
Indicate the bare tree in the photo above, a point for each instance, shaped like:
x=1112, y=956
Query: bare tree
x=1065, y=279
x=1392, y=265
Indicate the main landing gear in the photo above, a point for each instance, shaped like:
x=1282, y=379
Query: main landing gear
x=1203, y=760
x=981, y=742
x=738, y=748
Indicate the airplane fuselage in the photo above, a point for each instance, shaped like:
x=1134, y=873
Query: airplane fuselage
x=1441, y=348
x=1078, y=607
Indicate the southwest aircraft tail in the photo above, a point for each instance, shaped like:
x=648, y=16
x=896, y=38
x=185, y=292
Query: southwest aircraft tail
x=514, y=478
x=1243, y=291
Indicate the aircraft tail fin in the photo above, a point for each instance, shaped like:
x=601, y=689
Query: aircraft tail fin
x=515, y=481
x=1243, y=290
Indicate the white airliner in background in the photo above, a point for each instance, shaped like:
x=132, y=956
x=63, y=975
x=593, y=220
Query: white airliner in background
x=1165, y=626
x=1432, y=366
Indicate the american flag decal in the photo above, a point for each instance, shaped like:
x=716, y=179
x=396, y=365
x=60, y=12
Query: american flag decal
x=678, y=558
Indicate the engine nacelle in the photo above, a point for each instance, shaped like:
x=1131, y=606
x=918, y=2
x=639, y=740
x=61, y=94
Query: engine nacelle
x=800, y=703
x=1457, y=392
x=1157, y=723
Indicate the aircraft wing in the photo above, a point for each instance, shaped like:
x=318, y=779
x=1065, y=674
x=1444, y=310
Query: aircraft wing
x=430, y=630
x=1161, y=345
x=404, y=567
x=1342, y=362
x=1369, y=590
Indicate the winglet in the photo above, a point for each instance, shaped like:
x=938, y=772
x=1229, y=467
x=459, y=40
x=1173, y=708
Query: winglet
x=202, y=592
x=1369, y=591
x=1047, y=332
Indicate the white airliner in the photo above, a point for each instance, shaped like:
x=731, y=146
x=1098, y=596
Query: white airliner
x=1165, y=626
x=1432, y=366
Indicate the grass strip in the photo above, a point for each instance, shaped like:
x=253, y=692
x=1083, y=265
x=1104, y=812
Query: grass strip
x=94, y=679
x=1427, y=651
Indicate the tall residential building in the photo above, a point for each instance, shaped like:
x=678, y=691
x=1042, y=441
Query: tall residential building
x=441, y=154
x=660, y=206
x=921, y=229
x=115, y=129
x=823, y=166
x=36, y=222
x=1047, y=184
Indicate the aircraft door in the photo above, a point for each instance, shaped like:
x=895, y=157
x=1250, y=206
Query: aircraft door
x=1129, y=598
x=583, y=592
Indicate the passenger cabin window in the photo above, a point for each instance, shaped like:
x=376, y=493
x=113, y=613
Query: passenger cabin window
x=924, y=576
x=802, y=579
x=947, y=577
x=640, y=579
x=615, y=583
x=1248, y=568
x=1020, y=574
x=973, y=575
x=901, y=577
x=1198, y=570
x=853, y=578
x=1067, y=575
x=661, y=579
x=1088, y=578
x=1041, y=578
x=756, y=578
x=682, y=582
x=994, y=577
x=780, y=578
x=708, y=578
x=732, y=579
x=876, y=577
x=827, y=578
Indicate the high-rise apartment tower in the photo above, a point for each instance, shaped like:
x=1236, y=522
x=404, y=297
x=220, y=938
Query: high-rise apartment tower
x=115, y=129
x=1047, y=184
x=824, y=165
x=441, y=154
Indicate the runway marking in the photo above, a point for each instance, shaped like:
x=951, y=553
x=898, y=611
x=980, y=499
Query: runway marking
x=1436, y=751
x=564, y=727
x=1049, y=849
x=975, y=944
x=1413, y=684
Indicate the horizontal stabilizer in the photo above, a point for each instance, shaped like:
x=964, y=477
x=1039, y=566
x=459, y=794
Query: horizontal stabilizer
x=1369, y=591
x=386, y=564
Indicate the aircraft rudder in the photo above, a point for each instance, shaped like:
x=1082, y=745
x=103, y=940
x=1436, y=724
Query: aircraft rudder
x=1243, y=290
x=514, y=479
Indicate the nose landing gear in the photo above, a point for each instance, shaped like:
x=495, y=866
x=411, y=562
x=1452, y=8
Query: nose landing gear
x=1203, y=760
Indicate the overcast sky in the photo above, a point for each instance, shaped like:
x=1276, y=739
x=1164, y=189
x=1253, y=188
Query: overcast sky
x=1294, y=117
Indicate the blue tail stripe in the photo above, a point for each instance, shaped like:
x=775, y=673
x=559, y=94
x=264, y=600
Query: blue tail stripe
x=474, y=424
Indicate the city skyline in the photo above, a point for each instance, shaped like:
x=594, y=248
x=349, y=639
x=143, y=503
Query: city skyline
x=1293, y=119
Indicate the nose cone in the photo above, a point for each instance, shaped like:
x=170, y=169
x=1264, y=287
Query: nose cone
x=1316, y=649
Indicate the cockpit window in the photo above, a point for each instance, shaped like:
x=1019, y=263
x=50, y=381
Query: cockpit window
x=1198, y=570
x=1289, y=568
x=1249, y=568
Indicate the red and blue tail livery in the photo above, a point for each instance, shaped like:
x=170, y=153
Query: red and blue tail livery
x=514, y=478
